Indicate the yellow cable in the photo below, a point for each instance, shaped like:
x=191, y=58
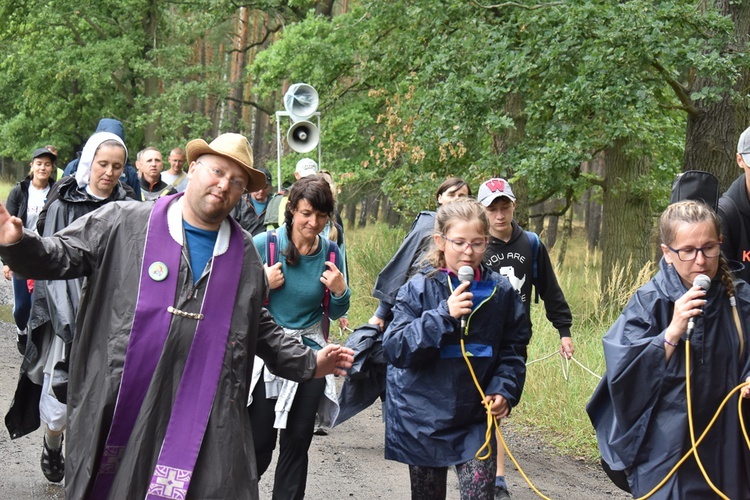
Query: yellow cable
x=742, y=417
x=703, y=435
x=492, y=422
x=690, y=422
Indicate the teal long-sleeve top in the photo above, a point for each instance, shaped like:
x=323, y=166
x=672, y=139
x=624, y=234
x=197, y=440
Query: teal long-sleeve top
x=298, y=303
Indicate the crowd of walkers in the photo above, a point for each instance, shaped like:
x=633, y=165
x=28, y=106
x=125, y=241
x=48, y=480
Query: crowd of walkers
x=175, y=326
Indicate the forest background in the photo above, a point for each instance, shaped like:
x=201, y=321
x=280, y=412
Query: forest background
x=592, y=103
x=589, y=107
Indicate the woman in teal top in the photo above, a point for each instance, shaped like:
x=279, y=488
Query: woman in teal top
x=301, y=273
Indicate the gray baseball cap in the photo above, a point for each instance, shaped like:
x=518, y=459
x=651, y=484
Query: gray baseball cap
x=743, y=145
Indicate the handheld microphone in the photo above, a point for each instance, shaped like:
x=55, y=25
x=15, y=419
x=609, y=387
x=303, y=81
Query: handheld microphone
x=465, y=273
x=704, y=282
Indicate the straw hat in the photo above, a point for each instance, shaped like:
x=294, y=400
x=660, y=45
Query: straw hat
x=233, y=147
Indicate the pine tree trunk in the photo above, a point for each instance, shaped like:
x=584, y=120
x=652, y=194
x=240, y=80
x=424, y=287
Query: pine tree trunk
x=392, y=217
x=536, y=223
x=593, y=216
x=363, y=214
x=150, y=84
x=351, y=214
x=237, y=71
x=324, y=8
x=514, y=107
x=374, y=208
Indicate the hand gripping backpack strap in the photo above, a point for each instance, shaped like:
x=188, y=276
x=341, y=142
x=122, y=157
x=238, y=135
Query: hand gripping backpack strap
x=272, y=254
x=332, y=257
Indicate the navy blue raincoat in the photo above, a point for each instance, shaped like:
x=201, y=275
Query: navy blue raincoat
x=434, y=414
x=639, y=409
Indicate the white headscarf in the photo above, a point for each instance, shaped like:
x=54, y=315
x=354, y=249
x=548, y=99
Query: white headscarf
x=83, y=174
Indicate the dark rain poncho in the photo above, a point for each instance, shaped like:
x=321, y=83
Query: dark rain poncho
x=639, y=409
x=54, y=308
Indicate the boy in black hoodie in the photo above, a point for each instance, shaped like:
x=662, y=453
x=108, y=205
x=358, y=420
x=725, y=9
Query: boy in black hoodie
x=734, y=213
x=521, y=257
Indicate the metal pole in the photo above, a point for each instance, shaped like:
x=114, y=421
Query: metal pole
x=278, y=152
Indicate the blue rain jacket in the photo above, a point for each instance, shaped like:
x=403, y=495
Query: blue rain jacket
x=433, y=412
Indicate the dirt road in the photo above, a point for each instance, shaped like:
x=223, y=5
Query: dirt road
x=348, y=463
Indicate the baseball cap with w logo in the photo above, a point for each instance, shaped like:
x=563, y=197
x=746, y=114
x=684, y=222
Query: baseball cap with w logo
x=494, y=189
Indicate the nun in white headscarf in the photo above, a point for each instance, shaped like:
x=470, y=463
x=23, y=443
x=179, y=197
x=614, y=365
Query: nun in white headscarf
x=43, y=381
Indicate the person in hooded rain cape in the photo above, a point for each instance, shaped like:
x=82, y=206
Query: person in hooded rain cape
x=435, y=415
x=41, y=392
x=639, y=410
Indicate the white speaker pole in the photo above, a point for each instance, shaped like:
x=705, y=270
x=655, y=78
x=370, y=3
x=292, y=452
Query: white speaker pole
x=301, y=104
x=278, y=151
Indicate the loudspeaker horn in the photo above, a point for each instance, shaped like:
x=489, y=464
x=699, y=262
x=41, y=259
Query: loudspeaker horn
x=301, y=101
x=303, y=136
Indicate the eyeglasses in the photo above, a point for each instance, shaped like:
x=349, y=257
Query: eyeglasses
x=710, y=251
x=461, y=245
x=235, y=183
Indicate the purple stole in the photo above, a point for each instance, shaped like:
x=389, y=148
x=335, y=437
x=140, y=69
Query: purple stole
x=200, y=379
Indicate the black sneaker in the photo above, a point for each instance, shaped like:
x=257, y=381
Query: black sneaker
x=501, y=493
x=320, y=430
x=53, y=463
x=21, y=341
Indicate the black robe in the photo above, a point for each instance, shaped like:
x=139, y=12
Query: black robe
x=107, y=247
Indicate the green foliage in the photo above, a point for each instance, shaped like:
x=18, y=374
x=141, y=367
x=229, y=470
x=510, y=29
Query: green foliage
x=368, y=251
x=5, y=188
x=64, y=65
x=438, y=77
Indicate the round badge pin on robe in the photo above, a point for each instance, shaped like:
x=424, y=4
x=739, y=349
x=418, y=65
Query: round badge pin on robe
x=158, y=271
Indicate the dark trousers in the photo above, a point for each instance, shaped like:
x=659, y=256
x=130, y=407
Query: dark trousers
x=290, y=478
x=21, y=302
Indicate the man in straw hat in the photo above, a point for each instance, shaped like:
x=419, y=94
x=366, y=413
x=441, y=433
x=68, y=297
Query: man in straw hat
x=161, y=359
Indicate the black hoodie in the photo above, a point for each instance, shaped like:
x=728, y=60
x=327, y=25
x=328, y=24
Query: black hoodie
x=734, y=212
x=515, y=261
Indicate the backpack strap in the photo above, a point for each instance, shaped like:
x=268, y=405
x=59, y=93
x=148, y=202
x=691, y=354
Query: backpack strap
x=534, y=243
x=177, y=180
x=731, y=212
x=272, y=248
x=272, y=254
x=332, y=251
